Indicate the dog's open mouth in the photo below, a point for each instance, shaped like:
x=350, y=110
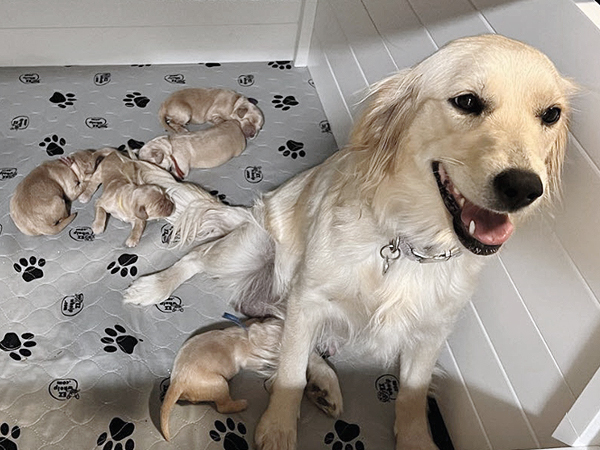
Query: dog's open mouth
x=480, y=230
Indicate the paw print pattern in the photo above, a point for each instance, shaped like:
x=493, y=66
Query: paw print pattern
x=293, y=149
x=231, y=436
x=30, y=269
x=63, y=100
x=7, y=434
x=222, y=197
x=284, y=103
x=16, y=349
x=281, y=65
x=116, y=339
x=53, y=145
x=343, y=436
x=212, y=64
x=118, y=431
x=132, y=144
x=124, y=265
x=136, y=99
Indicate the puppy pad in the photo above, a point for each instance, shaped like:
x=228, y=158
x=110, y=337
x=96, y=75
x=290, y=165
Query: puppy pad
x=78, y=369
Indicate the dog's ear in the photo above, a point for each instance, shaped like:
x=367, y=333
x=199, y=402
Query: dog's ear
x=240, y=108
x=141, y=212
x=379, y=132
x=157, y=155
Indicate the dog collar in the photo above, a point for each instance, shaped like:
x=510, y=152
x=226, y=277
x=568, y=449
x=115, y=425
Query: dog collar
x=399, y=247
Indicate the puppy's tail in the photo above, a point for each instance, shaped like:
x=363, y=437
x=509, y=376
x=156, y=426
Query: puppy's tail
x=171, y=397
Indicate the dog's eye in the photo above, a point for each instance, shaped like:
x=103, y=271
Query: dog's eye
x=468, y=103
x=551, y=115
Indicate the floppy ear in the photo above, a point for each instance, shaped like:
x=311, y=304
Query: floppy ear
x=240, y=108
x=378, y=133
x=141, y=212
x=157, y=155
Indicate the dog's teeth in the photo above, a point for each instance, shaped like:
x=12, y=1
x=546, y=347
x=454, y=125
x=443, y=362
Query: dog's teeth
x=472, y=227
x=461, y=201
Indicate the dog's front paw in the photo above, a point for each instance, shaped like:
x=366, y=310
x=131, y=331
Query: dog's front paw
x=273, y=433
x=147, y=290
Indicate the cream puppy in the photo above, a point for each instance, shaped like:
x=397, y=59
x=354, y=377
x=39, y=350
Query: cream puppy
x=41, y=202
x=198, y=105
x=206, y=362
x=125, y=195
x=212, y=147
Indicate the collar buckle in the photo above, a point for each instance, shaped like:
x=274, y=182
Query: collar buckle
x=399, y=247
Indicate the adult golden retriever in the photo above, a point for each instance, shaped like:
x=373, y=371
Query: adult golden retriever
x=380, y=246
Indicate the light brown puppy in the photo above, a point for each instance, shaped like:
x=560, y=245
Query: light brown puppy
x=126, y=196
x=212, y=147
x=206, y=362
x=41, y=203
x=199, y=105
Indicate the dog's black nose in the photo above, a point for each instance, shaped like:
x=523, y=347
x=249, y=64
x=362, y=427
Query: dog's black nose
x=517, y=188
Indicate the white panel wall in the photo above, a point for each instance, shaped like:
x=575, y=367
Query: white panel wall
x=528, y=344
x=90, y=32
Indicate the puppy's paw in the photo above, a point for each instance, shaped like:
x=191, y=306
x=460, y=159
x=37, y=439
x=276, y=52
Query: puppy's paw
x=326, y=397
x=273, y=433
x=147, y=290
x=131, y=242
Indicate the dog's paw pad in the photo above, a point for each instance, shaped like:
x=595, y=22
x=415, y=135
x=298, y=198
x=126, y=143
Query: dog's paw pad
x=230, y=435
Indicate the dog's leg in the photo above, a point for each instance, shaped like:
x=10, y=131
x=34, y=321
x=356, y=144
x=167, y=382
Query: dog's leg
x=416, y=367
x=90, y=189
x=277, y=428
x=100, y=220
x=138, y=227
x=218, y=258
x=323, y=387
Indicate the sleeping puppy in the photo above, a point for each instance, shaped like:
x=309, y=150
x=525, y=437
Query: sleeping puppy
x=41, y=202
x=178, y=153
x=126, y=196
x=379, y=247
x=207, y=361
x=199, y=105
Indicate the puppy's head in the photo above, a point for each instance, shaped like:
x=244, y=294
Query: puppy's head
x=483, y=122
x=249, y=116
x=152, y=202
x=85, y=162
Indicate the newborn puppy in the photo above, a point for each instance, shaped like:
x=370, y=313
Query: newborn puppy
x=198, y=105
x=41, y=203
x=125, y=196
x=206, y=362
x=178, y=153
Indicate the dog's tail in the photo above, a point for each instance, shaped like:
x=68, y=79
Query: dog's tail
x=173, y=393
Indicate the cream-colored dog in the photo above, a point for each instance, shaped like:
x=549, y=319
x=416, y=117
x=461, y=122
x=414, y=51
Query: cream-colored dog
x=206, y=362
x=199, y=105
x=126, y=196
x=41, y=203
x=212, y=147
x=380, y=246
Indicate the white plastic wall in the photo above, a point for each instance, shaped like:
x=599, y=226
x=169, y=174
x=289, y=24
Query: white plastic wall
x=527, y=345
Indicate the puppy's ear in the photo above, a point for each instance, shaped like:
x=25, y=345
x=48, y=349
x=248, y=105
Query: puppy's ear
x=141, y=213
x=379, y=132
x=157, y=155
x=240, y=108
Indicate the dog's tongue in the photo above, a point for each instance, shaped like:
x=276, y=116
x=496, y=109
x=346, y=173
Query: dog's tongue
x=490, y=228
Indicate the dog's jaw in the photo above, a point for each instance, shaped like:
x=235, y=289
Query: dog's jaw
x=479, y=230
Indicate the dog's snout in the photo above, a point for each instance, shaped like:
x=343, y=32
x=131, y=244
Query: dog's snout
x=517, y=188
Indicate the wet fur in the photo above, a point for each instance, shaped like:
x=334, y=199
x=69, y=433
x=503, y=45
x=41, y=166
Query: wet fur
x=309, y=250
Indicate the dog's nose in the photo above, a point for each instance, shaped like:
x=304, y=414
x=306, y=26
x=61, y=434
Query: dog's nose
x=517, y=188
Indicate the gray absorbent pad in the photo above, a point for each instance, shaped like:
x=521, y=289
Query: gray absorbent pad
x=78, y=369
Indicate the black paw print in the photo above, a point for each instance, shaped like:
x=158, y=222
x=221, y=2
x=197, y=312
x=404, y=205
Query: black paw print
x=232, y=440
x=54, y=145
x=343, y=436
x=30, y=268
x=222, y=197
x=212, y=64
x=7, y=434
x=16, y=349
x=63, y=100
x=280, y=65
x=284, y=103
x=136, y=99
x=121, y=265
x=293, y=149
x=118, y=430
x=132, y=144
x=116, y=337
